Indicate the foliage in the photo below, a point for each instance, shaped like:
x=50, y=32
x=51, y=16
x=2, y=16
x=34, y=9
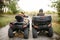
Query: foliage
x=50, y=12
x=58, y=20
x=56, y=4
x=9, y=12
x=56, y=28
x=13, y=6
x=1, y=6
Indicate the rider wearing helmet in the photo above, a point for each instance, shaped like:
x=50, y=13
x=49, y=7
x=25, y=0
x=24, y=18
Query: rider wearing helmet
x=40, y=13
x=20, y=17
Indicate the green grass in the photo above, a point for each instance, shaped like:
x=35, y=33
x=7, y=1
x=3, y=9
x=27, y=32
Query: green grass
x=4, y=20
x=56, y=28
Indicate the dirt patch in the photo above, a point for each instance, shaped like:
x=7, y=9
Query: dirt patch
x=20, y=35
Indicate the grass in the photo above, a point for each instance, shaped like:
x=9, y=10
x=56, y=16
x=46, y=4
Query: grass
x=4, y=20
x=56, y=28
x=55, y=24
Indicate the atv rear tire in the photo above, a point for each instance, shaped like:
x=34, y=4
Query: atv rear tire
x=10, y=33
x=34, y=33
x=26, y=33
x=50, y=32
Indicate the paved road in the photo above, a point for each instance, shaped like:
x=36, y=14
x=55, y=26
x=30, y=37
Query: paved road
x=4, y=35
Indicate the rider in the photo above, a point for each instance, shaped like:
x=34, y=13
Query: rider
x=41, y=14
x=23, y=14
x=20, y=17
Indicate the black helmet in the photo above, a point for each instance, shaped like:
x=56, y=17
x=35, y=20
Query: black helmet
x=41, y=10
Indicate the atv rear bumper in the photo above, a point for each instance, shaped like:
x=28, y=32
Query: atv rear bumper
x=42, y=27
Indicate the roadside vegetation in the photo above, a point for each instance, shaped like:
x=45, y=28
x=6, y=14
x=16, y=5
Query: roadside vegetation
x=56, y=28
x=8, y=15
x=56, y=24
x=56, y=19
x=6, y=19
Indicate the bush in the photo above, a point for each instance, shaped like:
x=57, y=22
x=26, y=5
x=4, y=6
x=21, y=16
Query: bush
x=59, y=14
x=9, y=12
x=58, y=19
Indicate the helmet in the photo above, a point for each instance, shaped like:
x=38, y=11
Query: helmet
x=41, y=10
x=22, y=12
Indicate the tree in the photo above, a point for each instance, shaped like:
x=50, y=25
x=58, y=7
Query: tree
x=56, y=4
x=1, y=6
x=12, y=6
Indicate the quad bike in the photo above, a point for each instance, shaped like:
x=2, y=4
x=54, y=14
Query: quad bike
x=42, y=23
x=19, y=26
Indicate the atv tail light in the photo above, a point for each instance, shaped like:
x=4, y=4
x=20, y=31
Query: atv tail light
x=35, y=26
x=49, y=25
x=24, y=26
x=11, y=25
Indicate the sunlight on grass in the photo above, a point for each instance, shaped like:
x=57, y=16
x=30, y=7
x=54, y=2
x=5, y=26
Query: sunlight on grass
x=6, y=19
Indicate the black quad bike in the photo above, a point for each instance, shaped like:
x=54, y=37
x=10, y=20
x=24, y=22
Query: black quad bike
x=42, y=23
x=19, y=26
